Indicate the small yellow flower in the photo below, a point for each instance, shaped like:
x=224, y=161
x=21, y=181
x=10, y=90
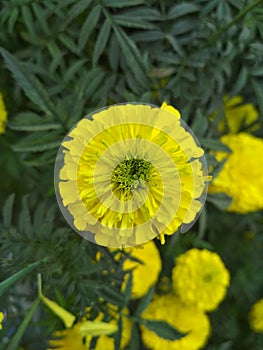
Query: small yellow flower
x=1, y=319
x=129, y=173
x=186, y=319
x=241, y=177
x=146, y=272
x=237, y=114
x=3, y=115
x=256, y=317
x=200, y=279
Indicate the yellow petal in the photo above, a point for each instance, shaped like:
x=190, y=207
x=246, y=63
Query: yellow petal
x=97, y=328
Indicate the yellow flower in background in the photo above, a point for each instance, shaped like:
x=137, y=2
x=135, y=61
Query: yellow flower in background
x=146, y=272
x=186, y=319
x=200, y=279
x=129, y=174
x=256, y=317
x=241, y=177
x=237, y=114
x=3, y=115
x=1, y=320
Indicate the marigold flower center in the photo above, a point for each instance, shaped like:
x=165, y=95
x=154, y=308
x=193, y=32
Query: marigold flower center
x=129, y=174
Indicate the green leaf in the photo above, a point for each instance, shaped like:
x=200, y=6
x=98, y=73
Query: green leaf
x=132, y=55
x=215, y=145
x=240, y=81
x=219, y=200
x=68, y=42
x=144, y=302
x=76, y=10
x=128, y=290
x=41, y=17
x=101, y=41
x=163, y=329
x=121, y=3
x=135, y=340
x=89, y=25
x=38, y=142
x=13, y=19
x=182, y=9
x=30, y=84
x=24, y=222
x=29, y=121
x=10, y=281
x=28, y=19
x=14, y=342
x=8, y=210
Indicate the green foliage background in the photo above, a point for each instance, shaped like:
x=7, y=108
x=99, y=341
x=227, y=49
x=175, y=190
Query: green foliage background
x=61, y=60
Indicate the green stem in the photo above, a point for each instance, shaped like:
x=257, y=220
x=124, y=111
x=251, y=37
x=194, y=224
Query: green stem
x=6, y=284
x=234, y=20
x=13, y=345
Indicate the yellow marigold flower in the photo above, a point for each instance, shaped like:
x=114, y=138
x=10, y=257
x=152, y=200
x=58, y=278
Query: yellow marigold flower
x=200, y=278
x=146, y=272
x=241, y=177
x=237, y=114
x=1, y=319
x=128, y=173
x=3, y=115
x=186, y=319
x=256, y=317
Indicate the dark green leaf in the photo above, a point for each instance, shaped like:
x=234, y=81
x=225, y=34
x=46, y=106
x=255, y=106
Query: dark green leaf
x=76, y=10
x=8, y=210
x=182, y=9
x=41, y=17
x=28, y=19
x=144, y=302
x=132, y=56
x=215, y=145
x=101, y=41
x=163, y=329
x=38, y=142
x=121, y=3
x=31, y=85
x=32, y=122
x=219, y=200
x=89, y=25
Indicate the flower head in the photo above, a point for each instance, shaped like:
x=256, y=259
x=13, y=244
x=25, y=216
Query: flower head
x=129, y=173
x=241, y=177
x=200, y=278
x=186, y=319
x=146, y=270
x=3, y=115
x=256, y=317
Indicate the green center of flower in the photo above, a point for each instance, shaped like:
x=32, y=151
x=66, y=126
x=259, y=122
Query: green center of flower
x=129, y=172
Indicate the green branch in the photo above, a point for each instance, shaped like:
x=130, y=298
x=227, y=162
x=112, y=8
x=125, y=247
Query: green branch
x=234, y=20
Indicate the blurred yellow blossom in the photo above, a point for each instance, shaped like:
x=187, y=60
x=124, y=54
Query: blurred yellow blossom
x=3, y=115
x=200, y=279
x=146, y=272
x=256, y=317
x=241, y=177
x=186, y=319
